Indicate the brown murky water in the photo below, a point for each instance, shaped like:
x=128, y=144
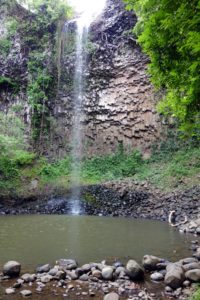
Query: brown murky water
x=39, y=239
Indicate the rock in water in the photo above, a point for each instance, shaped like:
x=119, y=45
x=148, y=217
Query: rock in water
x=193, y=275
x=12, y=269
x=111, y=296
x=174, y=276
x=134, y=271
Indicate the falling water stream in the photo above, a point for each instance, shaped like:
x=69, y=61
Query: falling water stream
x=82, y=23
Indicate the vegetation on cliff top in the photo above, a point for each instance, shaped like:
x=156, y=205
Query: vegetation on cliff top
x=168, y=32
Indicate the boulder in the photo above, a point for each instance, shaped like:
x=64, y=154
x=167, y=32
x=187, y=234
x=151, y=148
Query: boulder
x=191, y=266
x=28, y=277
x=97, y=274
x=107, y=273
x=46, y=278
x=53, y=271
x=12, y=269
x=174, y=276
x=67, y=264
x=111, y=296
x=193, y=275
x=43, y=269
x=157, y=276
x=150, y=262
x=188, y=260
x=134, y=270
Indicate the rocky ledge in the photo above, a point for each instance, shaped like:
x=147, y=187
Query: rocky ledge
x=125, y=198
x=109, y=282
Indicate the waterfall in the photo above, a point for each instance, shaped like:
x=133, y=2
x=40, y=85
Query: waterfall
x=92, y=10
x=78, y=113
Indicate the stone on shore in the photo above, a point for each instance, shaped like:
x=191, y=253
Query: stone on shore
x=107, y=273
x=157, y=276
x=67, y=264
x=193, y=275
x=12, y=269
x=26, y=293
x=174, y=276
x=134, y=270
x=149, y=262
x=111, y=296
x=10, y=291
x=43, y=269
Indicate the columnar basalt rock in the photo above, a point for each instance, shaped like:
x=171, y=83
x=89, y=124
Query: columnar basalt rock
x=119, y=103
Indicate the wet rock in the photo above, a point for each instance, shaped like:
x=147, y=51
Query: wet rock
x=118, y=264
x=150, y=262
x=84, y=277
x=86, y=268
x=120, y=270
x=111, y=296
x=157, y=276
x=186, y=283
x=67, y=264
x=193, y=275
x=26, y=293
x=12, y=269
x=46, y=278
x=43, y=269
x=72, y=274
x=60, y=275
x=174, y=276
x=97, y=274
x=10, y=291
x=191, y=266
x=134, y=270
x=188, y=260
x=107, y=273
x=28, y=277
x=53, y=271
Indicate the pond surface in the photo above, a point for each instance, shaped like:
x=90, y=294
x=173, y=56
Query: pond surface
x=39, y=239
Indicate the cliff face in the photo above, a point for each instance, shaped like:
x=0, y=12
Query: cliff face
x=119, y=105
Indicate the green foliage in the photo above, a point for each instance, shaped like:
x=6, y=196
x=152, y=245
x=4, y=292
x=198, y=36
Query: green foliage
x=56, y=9
x=13, y=153
x=53, y=170
x=6, y=40
x=169, y=169
x=111, y=166
x=11, y=26
x=196, y=295
x=168, y=32
x=6, y=82
x=5, y=45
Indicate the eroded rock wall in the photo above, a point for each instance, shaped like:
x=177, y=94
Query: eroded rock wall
x=119, y=103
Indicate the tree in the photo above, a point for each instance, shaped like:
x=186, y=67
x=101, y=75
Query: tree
x=168, y=32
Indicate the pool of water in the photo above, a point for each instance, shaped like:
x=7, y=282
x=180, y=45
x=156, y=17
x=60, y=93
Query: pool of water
x=38, y=239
